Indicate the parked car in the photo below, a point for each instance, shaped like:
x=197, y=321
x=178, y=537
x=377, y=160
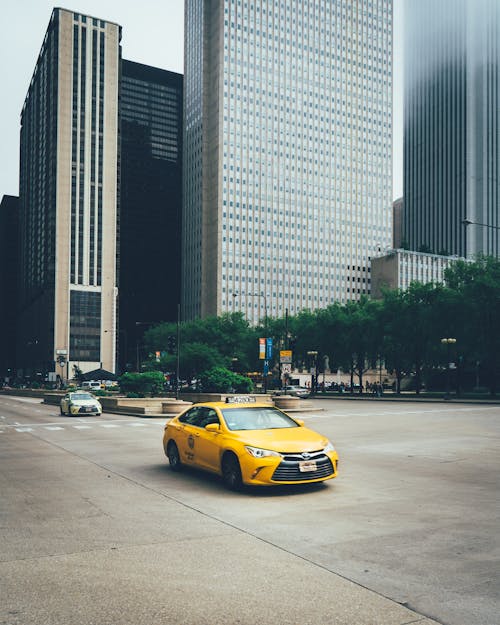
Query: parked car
x=80, y=403
x=296, y=391
x=248, y=443
x=92, y=385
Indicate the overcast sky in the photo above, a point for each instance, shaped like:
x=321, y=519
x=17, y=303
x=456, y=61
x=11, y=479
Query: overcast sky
x=152, y=34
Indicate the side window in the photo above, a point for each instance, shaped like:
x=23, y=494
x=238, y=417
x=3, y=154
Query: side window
x=191, y=416
x=208, y=416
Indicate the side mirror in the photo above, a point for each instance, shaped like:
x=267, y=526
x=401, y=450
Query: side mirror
x=300, y=422
x=212, y=427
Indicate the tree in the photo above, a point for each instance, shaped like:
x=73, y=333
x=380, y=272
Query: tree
x=477, y=286
x=151, y=382
x=221, y=380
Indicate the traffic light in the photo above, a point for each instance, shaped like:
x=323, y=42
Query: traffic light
x=171, y=344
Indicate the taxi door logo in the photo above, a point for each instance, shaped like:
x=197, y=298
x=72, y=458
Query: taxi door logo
x=191, y=441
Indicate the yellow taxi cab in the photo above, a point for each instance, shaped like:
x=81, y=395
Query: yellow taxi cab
x=248, y=443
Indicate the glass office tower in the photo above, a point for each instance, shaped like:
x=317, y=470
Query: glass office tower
x=451, y=126
x=287, y=153
x=150, y=202
x=68, y=199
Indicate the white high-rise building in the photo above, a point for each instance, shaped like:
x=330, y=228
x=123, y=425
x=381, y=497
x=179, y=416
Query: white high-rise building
x=68, y=199
x=287, y=152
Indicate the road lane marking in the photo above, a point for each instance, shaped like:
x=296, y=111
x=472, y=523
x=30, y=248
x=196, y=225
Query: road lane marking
x=107, y=425
x=82, y=427
x=24, y=429
x=53, y=427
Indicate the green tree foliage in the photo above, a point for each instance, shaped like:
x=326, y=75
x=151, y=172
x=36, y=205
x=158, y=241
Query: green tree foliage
x=150, y=382
x=404, y=330
x=477, y=304
x=221, y=380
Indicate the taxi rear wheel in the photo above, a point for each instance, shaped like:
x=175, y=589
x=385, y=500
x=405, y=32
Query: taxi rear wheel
x=231, y=471
x=173, y=456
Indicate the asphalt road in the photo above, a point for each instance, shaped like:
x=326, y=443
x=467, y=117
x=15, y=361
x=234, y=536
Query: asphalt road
x=95, y=529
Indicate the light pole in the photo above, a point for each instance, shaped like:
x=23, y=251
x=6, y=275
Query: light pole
x=313, y=354
x=448, y=343
x=266, y=361
x=137, y=354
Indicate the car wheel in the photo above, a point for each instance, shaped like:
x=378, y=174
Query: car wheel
x=61, y=410
x=231, y=472
x=173, y=456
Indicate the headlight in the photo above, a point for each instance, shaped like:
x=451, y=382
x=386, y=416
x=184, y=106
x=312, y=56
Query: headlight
x=329, y=447
x=256, y=452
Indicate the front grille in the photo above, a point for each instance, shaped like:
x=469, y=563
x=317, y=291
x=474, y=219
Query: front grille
x=288, y=470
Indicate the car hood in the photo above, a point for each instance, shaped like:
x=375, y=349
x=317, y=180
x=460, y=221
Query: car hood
x=290, y=440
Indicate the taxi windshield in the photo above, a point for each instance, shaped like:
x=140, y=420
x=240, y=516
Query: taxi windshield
x=77, y=396
x=256, y=419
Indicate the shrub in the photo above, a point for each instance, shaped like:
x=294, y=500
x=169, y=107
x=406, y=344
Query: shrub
x=150, y=382
x=221, y=380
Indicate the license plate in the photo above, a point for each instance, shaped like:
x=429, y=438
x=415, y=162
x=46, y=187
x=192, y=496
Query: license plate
x=88, y=409
x=307, y=465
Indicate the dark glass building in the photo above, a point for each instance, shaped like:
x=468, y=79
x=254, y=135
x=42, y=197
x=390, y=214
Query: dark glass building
x=150, y=202
x=9, y=259
x=452, y=127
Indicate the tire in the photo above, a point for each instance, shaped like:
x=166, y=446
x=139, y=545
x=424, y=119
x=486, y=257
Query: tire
x=173, y=456
x=61, y=410
x=231, y=472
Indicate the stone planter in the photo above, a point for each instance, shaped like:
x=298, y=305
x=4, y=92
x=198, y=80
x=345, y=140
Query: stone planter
x=286, y=402
x=174, y=406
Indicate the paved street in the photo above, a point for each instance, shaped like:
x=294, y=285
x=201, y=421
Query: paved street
x=95, y=528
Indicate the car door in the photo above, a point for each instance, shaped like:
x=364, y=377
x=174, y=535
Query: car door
x=185, y=433
x=64, y=403
x=207, y=444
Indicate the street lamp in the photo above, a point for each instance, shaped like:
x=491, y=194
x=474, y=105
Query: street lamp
x=468, y=222
x=314, y=369
x=448, y=343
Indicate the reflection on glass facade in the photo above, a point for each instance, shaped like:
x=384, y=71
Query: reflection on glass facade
x=287, y=159
x=85, y=326
x=452, y=126
x=150, y=199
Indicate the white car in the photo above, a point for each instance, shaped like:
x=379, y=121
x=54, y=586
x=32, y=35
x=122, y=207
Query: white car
x=80, y=403
x=295, y=391
x=96, y=386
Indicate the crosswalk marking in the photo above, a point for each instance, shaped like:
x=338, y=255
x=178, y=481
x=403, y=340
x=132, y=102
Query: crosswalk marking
x=52, y=427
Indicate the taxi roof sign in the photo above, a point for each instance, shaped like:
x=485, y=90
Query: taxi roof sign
x=240, y=399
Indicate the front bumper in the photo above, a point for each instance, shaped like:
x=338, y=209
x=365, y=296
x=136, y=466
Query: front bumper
x=85, y=410
x=287, y=470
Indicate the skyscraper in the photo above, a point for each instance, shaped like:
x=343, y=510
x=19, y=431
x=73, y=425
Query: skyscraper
x=287, y=153
x=452, y=126
x=9, y=262
x=150, y=200
x=68, y=198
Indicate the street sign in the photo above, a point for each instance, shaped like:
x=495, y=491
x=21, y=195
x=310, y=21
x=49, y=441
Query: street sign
x=285, y=356
x=269, y=348
x=286, y=368
x=262, y=349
